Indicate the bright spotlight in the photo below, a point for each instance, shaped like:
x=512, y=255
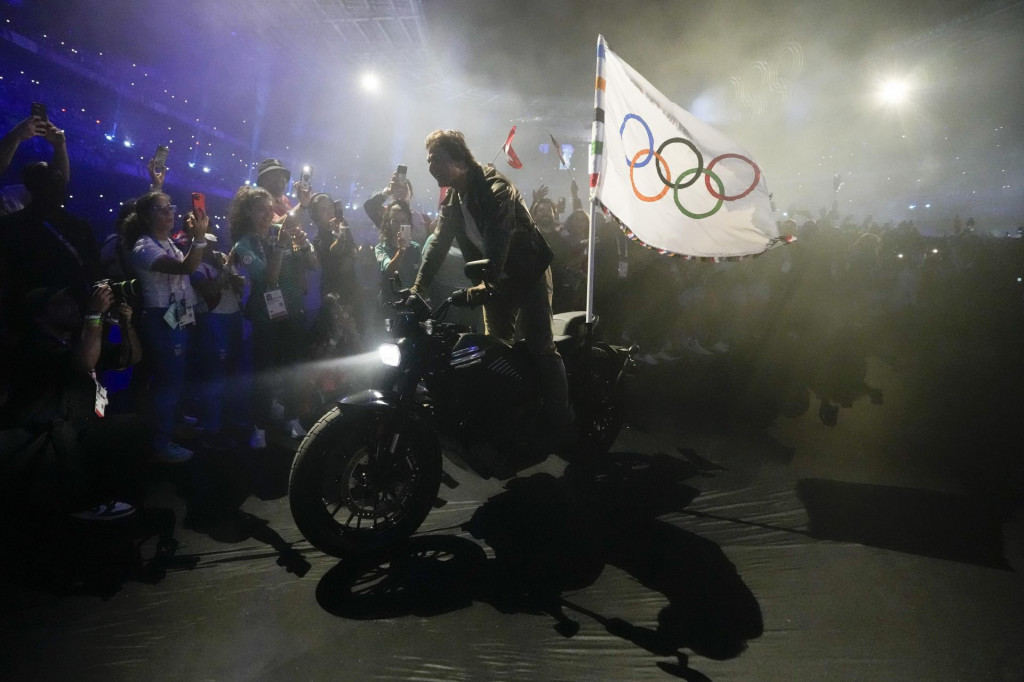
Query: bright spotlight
x=370, y=82
x=894, y=91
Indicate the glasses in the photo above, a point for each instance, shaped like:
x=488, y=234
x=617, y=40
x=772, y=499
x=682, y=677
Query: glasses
x=169, y=208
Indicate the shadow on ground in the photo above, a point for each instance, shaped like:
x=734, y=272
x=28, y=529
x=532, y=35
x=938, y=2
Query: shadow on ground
x=912, y=520
x=552, y=535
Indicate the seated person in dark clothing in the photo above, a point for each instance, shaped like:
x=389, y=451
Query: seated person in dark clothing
x=61, y=452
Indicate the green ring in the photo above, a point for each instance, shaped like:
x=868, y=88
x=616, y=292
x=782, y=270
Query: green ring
x=721, y=190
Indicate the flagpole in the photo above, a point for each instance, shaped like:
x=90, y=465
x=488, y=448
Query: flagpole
x=596, y=140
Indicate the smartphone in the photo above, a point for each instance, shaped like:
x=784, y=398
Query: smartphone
x=306, y=177
x=402, y=170
x=160, y=157
x=406, y=232
x=198, y=203
x=39, y=109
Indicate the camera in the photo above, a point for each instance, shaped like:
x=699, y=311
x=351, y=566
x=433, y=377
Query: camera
x=126, y=291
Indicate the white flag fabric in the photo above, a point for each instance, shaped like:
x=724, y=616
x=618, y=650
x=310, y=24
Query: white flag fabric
x=674, y=182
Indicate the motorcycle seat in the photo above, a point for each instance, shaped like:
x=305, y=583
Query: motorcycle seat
x=571, y=324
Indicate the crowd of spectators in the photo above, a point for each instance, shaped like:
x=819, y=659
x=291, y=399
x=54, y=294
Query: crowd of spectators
x=157, y=313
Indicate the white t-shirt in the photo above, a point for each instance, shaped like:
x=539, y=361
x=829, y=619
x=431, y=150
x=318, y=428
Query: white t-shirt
x=160, y=288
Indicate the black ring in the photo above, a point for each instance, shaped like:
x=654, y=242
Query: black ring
x=700, y=163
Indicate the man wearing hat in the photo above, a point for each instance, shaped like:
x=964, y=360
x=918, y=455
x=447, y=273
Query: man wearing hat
x=273, y=177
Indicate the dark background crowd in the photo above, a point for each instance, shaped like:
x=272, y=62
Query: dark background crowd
x=795, y=329
x=803, y=327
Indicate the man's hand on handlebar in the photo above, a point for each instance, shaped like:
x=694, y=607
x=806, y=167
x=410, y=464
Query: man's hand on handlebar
x=479, y=294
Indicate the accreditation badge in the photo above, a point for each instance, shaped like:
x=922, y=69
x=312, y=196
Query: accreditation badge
x=100, y=406
x=188, y=315
x=276, y=308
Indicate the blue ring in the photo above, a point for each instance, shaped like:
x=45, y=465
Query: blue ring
x=650, y=140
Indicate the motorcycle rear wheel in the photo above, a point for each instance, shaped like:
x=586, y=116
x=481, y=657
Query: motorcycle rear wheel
x=599, y=408
x=363, y=481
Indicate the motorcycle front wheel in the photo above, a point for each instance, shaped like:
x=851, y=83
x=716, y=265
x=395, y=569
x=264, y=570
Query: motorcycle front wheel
x=363, y=481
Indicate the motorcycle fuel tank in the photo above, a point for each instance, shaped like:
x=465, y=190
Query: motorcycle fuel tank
x=487, y=372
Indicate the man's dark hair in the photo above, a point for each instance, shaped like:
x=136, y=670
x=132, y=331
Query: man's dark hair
x=453, y=142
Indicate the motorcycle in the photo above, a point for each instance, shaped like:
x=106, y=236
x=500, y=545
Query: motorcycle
x=367, y=474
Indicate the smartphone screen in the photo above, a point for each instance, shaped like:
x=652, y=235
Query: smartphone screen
x=160, y=157
x=407, y=233
x=306, y=177
x=198, y=202
x=39, y=109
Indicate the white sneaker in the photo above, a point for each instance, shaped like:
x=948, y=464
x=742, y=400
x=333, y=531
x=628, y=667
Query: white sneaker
x=108, y=511
x=172, y=453
x=258, y=439
x=294, y=429
x=276, y=410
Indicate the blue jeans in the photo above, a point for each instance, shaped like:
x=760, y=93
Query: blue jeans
x=163, y=351
x=219, y=341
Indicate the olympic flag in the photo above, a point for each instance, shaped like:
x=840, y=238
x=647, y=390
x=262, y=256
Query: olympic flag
x=674, y=182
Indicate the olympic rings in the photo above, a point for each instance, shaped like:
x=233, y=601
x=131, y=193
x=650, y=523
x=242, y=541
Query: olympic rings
x=665, y=174
x=719, y=195
x=696, y=174
x=633, y=164
x=700, y=163
x=650, y=139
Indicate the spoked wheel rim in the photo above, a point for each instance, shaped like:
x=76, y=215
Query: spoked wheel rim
x=372, y=488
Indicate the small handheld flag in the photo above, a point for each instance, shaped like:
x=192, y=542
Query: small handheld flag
x=510, y=154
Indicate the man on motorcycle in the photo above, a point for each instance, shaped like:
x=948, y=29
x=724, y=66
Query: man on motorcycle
x=486, y=214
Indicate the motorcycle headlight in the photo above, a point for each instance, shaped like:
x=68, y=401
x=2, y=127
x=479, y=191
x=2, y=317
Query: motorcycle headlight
x=390, y=355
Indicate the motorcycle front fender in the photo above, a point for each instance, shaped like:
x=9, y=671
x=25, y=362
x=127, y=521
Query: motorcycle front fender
x=367, y=398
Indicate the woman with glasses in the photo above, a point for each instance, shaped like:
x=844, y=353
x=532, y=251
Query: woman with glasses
x=167, y=316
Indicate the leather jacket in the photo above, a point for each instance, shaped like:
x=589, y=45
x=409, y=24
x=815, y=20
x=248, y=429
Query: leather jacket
x=511, y=240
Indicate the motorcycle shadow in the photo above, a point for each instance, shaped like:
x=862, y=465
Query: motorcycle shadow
x=553, y=535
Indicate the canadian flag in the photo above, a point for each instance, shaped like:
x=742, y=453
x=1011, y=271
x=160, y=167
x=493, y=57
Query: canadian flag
x=510, y=154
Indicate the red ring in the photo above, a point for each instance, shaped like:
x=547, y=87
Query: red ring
x=723, y=197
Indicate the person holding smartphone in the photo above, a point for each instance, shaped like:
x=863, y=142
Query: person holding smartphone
x=15, y=197
x=271, y=257
x=396, y=252
x=168, y=314
x=398, y=189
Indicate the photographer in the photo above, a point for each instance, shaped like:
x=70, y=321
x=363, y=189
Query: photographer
x=62, y=451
